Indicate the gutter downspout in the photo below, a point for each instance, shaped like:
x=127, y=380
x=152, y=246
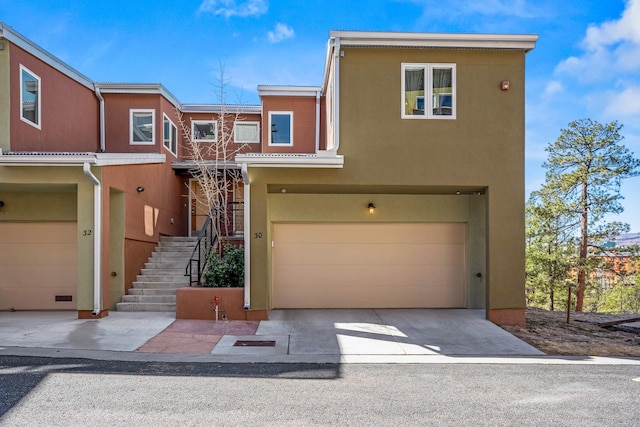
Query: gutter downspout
x=97, y=239
x=247, y=237
x=336, y=100
x=102, y=132
x=317, y=121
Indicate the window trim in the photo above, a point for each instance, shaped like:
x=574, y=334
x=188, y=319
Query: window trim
x=429, y=96
x=38, y=124
x=132, y=112
x=193, y=130
x=243, y=122
x=280, y=144
x=173, y=130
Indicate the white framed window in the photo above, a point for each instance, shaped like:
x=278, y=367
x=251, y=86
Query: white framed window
x=246, y=132
x=30, y=99
x=170, y=135
x=204, y=130
x=142, y=124
x=281, y=128
x=428, y=91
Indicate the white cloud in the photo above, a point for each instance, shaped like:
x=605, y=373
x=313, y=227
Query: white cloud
x=552, y=88
x=280, y=33
x=610, y=47
x=516, y=8
x=229, y=8
x=624, y=104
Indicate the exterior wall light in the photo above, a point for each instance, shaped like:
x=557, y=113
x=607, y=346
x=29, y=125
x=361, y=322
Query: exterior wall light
x=504, y=85
x=372, y=208
x=140, y=189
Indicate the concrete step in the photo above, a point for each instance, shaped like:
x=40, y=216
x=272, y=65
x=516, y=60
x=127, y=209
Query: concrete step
x=162, y=278
x=177, y=244
x=178, y=239
x=170, y=255
x=174, y=265
x=152, y=291
x=177, y=249
x=154, y=306
x=163, y=273
x=175, y=271
x=158, y=285
x=150, y=298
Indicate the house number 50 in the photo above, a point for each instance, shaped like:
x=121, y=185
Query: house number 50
x=257, y=235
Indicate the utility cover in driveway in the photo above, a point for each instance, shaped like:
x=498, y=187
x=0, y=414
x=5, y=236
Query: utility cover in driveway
x=383, y=265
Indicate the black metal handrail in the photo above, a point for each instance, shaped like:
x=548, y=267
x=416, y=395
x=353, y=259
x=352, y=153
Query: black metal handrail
x=207, y=238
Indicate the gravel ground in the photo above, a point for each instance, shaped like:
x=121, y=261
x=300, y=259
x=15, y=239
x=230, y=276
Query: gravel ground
x=584, y=335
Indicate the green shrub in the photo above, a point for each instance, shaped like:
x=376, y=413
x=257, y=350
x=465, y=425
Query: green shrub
x=226, y=271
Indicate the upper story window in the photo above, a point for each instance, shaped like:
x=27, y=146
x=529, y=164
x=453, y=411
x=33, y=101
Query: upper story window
x=429, y=91
x=246, y=132
x=281, y=128
x=170, y=135
x=142, y=127
x=204, y=130
x=29, y=97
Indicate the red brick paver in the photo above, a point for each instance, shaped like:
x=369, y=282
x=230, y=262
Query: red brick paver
x=196, y=336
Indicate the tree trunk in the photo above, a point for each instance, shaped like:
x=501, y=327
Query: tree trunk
x=582, y=259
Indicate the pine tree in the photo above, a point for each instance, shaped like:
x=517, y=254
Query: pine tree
x=585, y=168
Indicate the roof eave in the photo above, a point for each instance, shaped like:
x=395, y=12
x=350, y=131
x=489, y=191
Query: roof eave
x=524, y=42
x=334, y=162
x=14, y=37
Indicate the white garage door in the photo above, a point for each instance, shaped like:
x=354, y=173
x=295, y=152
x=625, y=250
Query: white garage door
x=39, y=262
x=369, y=265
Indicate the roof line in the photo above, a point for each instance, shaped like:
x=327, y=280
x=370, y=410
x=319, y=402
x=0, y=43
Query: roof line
x=8, y=33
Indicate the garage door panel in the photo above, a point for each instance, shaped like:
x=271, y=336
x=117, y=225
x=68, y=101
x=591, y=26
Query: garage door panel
x=367, y=276
x=38, y=261
x=387, y=254
x=380, y=297
x=47, y=254
x=369, y=233
x=369, y=265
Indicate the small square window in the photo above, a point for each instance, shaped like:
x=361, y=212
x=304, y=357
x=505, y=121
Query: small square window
x=281, y=128
x=29, y=97
x=429, y=91
x=247, y=132
x=142, y=127
x=204, y=130
x=170, y=136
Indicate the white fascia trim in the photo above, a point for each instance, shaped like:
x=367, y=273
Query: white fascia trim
x=139, y=89
x=98, y=159
x=446, y=40
x=116, y=159
x=14, y=37
x=217, y=108
x=306, y=91
x=291, y=161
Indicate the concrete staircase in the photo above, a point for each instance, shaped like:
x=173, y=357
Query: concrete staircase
x=155, y=287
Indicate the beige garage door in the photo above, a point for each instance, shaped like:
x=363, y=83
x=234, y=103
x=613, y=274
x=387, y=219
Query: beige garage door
x=38, y=261
x=369, y=265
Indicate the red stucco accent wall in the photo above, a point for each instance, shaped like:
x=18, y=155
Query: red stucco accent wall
x=71, y=125
x=304, y=123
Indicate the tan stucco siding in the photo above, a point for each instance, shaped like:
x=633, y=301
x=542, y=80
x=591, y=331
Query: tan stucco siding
x=483, y=146
x=55, y=194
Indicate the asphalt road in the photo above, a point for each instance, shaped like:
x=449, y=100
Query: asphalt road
x=80, y=392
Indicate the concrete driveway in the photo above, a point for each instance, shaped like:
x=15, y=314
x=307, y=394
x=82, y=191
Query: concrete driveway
x=389, y=332
x=363, y=335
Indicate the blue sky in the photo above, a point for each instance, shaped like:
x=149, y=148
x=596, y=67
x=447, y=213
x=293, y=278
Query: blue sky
x=586, y=62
